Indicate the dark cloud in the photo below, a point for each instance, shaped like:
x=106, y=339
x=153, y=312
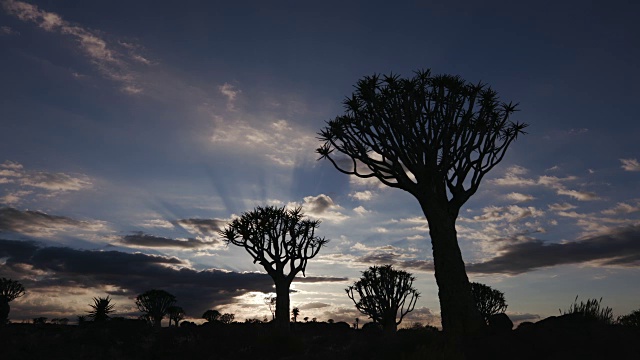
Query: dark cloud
x=43, y=268
x=203, y=227
x=36, y=223
x=397, y=260
x=314, y=305
x=150, y=241
x=620, y=247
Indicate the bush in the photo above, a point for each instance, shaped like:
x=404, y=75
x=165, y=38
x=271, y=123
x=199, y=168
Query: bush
x=592, y=309
x=632, y=319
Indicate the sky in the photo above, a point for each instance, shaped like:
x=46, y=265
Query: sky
x=132, y=131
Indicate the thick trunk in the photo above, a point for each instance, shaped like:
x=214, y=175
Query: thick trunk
x=457, y=308
x=4, y=310
x=157, y=321
x=389, y=323
x=282, y=305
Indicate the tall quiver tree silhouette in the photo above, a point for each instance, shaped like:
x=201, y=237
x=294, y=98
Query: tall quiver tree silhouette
x=155, y=304
x=9, y=291
x=435, y=137
x=383, y=294
x=282, y=241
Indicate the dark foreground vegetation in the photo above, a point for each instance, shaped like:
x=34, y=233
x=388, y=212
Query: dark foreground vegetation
x=570, y=336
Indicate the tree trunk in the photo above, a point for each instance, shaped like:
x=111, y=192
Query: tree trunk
x=457, y=307
x=157, y=322
x=4, y=310
x=282, y=305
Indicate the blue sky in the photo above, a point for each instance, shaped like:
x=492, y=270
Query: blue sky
x=131, y=131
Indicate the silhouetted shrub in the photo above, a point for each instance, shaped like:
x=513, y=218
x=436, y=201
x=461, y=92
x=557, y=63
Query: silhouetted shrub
x=488, y=301
x=591, y=310
x=632, y=320
x=101, y=308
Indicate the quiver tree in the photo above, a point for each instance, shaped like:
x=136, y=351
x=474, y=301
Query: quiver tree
x=435, y=137
x=9, y=291
x=295, y=312
x=155, y=304
x=100, y=309
x=211, y=315
x=282, y=241
x=488, y=301
x=384, y=294
x=176, y=314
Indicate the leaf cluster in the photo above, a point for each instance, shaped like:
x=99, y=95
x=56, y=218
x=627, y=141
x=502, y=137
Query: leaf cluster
x=488, y=301
x=276, y=238
x=10, y=289
x=437, y=132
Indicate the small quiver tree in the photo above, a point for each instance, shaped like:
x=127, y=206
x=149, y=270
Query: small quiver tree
x=155, y=305
x=384, y=294
x=176, y=314
x=282, y=241
x=211, y=315
x=9, y=291
x=488, y=301
x=100, y=309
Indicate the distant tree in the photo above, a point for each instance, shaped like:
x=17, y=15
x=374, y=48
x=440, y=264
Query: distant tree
x=295, y=312
x=40, y=320
x=356, y=324
x=82, y=319
x=488, y=301
x=155, y=304
x=9, y=291
x=384, y=293
x=435, y=137
x=60, y=321
x=211, y=315
x=306, y=319
x=227, y=318
x=279, y=239
x=330, y=321
x=100, y=309
x=631, y=320
x=271, y=301
x=176, y=314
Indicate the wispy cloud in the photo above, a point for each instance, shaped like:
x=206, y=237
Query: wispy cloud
x=362, y=195
x=42, y=225
x=109, y=59
x=7, y=30
x=321, y=207
x=142, y=240
x=630, y=164
x=518, y=197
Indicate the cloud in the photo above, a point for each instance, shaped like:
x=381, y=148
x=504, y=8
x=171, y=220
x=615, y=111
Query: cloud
x=202, y=227
x=283, y=143
x=512, y=178
x=313, y=305
x=40, y=224
x=362, y=195
x=510, y=213
x=630, y=164
x=6, y=30
x=45, y=183
x=622, y=208
x=561, y=207
x=321, y=207
x=579, y=195
x=140, y=239
x=48, y=269
x=360, y=210
x=109, y=61
x=231, y=93
x=618, y=247
x=157, y=223
x=518, y=197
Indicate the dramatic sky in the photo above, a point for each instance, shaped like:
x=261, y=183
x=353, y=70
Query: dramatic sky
x=131, y=131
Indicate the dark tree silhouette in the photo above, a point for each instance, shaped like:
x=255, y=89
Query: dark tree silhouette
x=176, y=314
x=631, y=320
x=9, y=291
x=280, y=240
x=101, y=308
x=295, y=312
x=155, y=304
x=211, y=315
x=488, y=301
x=227, y=318
x=435, y=137
x=383, y=292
